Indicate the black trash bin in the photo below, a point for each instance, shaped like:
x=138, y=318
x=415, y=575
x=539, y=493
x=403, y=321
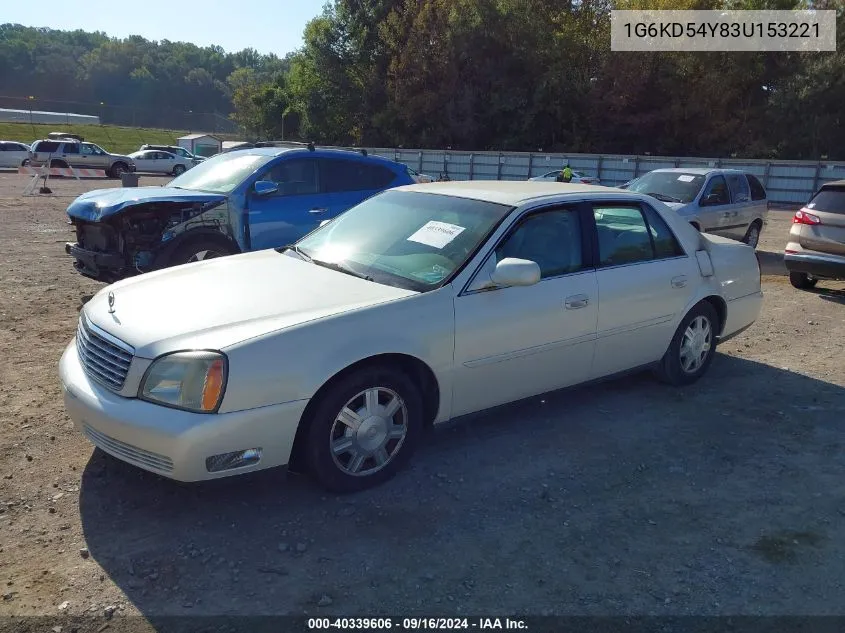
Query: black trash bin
x=129, y=179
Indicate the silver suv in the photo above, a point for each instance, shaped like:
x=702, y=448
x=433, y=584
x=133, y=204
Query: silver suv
x=74, y=153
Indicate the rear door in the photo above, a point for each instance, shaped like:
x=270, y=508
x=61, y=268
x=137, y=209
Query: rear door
x=645, y=281
x=295, y=209
x=759, y=199
x=348, y=181
x=70, y=154
x=742, y=210
x=6, y=155
x=144, y=161
x=828, y=236
x=715, y=211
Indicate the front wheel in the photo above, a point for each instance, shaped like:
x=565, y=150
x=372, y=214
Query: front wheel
x=692, y=348
x=178, y=170
x=199, y=250
x=118, y=169
x=364, y=429
x=802, y=281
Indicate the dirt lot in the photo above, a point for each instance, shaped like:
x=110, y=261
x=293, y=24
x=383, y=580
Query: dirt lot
x=727, y=497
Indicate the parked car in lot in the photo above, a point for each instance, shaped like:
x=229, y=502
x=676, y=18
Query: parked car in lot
x=816, y=246
x=577, y=177
x=232, y=203
x=176, y=150
x=71, y=152
x=420, y=304
x=726, y=202
x=418, y=177
x=13, y=154
x=160, y=162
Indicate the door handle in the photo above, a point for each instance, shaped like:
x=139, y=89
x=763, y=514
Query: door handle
x=679, y=282
x=577, y=301
x=318, y=210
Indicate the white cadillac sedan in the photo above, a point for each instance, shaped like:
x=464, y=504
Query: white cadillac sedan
x=421, y=304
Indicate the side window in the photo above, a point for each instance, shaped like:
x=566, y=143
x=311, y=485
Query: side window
x=666, y=245
x=294, y=177
x=337, y=175
x=718, y=188
x=86, y=149
x=49, y=147
x=552, y=239
x=377, y=176
x=70, y=148
x=757, y=190
x=623, y=235
x=739, y=187
x=6, y=147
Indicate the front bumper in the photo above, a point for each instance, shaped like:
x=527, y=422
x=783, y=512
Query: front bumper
x=170, y=442
x=106, y=267
x=824, y=266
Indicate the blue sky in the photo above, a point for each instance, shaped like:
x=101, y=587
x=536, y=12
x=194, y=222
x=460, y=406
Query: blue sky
x=269, y=26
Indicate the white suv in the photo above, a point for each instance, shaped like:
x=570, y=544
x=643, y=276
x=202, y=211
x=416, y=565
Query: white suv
x=73, y=153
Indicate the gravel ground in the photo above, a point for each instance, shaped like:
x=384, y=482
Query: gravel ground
x=623, y=498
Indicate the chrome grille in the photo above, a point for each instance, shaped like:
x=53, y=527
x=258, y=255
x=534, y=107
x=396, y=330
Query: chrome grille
x=105, y=358
x=132, y=454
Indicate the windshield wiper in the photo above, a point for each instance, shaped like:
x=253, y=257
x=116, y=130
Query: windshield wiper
x=341, y=269
x=663, y=197
x=295, y=249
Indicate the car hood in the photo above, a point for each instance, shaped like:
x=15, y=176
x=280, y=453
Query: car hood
x=680, y=207
x=220, y=302
x=102, y=203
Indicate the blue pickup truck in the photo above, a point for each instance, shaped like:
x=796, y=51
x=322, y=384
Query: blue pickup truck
x=235, y=202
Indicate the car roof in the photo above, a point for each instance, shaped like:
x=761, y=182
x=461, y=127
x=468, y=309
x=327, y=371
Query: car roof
x=509, y=192
x=325, y=153
x=833, y=183
x=698, y=171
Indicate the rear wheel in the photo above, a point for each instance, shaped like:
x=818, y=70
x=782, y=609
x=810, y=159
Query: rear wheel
x=752, y=235
x=178, y=170
x=58, y=164
x=802, y=281
x=364, y=429
x=692, y=348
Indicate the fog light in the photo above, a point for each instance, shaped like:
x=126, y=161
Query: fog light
x=237, y=459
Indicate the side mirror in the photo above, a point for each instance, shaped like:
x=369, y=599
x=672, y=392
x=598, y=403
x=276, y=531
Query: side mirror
x=515, y=272
x=265, y=187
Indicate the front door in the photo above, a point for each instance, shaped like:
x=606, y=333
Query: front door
x=645, y=280
x=511, y=343
x=294, y=210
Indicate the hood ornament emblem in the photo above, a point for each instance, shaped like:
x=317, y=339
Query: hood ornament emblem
x=111, y=303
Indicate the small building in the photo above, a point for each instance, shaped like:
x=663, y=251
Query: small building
x=201, y=144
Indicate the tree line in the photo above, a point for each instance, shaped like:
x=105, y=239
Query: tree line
x=472, y=74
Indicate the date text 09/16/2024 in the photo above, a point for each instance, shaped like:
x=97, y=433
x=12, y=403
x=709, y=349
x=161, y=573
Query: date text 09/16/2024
x=416, y=624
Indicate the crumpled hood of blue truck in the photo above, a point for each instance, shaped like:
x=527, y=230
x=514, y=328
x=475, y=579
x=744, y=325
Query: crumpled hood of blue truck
x=96, y=205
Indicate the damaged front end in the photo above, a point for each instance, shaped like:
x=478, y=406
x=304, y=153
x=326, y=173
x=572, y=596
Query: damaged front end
x=120, y=238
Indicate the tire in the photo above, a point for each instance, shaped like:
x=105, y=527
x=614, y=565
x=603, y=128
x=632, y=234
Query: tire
x=752, y=235
x=117, y=169
x=336, y=452
x=25, y=162
x=802, y=281
x=681, y=365
x=58, y=164
x=199, y=250
x=178, y=170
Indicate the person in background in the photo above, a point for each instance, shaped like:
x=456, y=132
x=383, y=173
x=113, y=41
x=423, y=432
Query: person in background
x=566, y=174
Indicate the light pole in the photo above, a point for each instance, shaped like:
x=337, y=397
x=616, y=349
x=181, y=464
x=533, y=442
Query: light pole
x=31, y=99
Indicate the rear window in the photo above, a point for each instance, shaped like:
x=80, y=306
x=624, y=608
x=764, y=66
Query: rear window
x=757, y=190
x=46, y=146
x=829, y=200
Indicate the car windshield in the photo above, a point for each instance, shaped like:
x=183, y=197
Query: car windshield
x=222, y=173
x=407, y=239
x=669, y=186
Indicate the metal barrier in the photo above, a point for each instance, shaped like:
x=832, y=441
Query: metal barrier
x=45, y=172
x=787, y=182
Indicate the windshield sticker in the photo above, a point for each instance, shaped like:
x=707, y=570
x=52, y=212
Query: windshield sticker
x=686, y=178
x=437, y=234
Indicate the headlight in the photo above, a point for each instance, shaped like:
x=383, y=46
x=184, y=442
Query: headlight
x=194, y=381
